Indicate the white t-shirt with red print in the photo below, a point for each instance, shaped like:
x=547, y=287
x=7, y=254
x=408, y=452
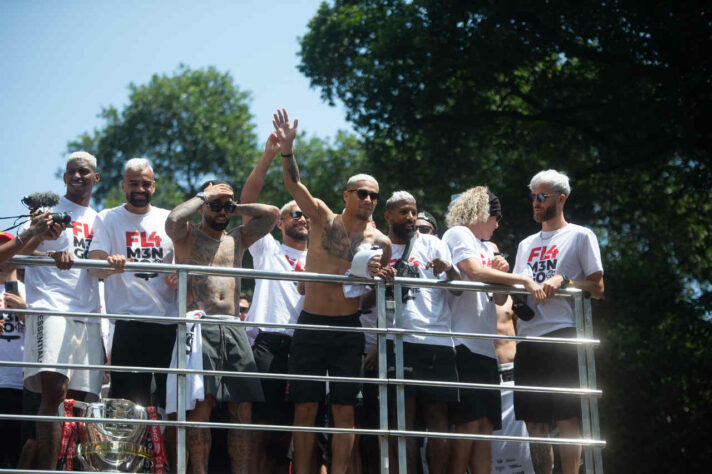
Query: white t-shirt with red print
x=276, y=301
x=472, y=311
x=571, y=251
x=425, y=309
x=141, y=237
x=51, y=289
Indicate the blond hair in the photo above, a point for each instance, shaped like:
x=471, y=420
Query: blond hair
x=470, y=207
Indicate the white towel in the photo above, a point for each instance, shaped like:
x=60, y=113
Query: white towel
x=359, y=268
x=194, y=360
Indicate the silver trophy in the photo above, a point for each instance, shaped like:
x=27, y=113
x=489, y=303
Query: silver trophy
x=112, y=446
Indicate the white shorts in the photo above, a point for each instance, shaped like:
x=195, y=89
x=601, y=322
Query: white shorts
x=58, y=340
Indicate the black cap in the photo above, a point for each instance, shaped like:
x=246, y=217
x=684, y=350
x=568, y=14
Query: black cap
x=426, y=216
x=495, y=205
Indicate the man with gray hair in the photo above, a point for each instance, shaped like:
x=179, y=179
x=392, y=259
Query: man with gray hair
x=55, y=339
x=334, y=240
x=274, y=301
x=562, y=255
x=135, y=231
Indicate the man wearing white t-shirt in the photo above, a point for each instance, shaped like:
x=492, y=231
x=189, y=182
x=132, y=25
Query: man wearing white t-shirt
x=56, y=339
x=562, y=255
x=274, y=301
x=424, y=357
x=135, y=231
x=225, y=347
x=473, y=217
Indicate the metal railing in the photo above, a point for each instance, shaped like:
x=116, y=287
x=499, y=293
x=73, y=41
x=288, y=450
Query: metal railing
x=584, y=341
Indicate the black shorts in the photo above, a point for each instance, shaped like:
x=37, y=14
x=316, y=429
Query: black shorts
x=141, y=344
x=10, y=430
x=424, y=362
x=547, y=365
x=475, y=404
x=271, y=351
x=318, y=352
x=227, y=348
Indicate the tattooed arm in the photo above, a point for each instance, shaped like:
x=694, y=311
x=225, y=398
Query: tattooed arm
x=253, y=186
x=314, y=208
x=262, y=220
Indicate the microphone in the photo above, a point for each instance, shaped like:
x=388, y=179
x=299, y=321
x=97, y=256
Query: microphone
x=37, y=200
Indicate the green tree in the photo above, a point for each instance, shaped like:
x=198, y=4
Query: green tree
x=192, y=124
x=452, y=94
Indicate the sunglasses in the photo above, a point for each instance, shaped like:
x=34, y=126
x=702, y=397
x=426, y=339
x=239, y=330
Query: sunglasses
x=297, y=215
x=424, y=229
x=499, y=219
x=541, y=197
x=216, y=206
x=244, y=309
x=362, y=194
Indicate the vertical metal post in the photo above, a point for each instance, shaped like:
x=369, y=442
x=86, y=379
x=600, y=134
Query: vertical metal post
x=382, y=374
x=595, y=424
x=400, y=391
x=583, y=380
x=181, y=359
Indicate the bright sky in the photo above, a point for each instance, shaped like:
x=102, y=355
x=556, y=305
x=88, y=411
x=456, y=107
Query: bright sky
x=60, y=62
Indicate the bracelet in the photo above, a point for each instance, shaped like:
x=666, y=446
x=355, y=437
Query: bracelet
x=288, y=155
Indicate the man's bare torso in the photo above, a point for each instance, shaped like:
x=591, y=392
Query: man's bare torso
x=331, y=250
x=210, y=293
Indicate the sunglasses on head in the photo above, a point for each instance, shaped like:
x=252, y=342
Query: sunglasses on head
x=362, y=193
x=424, y=229
x=217, y=206
x=541, y=197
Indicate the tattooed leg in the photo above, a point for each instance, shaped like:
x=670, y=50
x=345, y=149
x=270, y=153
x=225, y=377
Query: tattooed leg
x=198, y=439
x=542, y=454
x=238, y=441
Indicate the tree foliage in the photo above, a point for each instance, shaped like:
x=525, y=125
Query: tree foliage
x=192, y=124
x=452, y=94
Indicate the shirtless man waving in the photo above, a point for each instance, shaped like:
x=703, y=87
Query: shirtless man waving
x=225, y=347
x=334, y=240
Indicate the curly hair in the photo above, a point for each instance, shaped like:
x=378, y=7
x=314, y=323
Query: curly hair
x=470, y=207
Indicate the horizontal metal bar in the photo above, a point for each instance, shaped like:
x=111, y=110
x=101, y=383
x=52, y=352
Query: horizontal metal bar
x=290, y=276
x=314, y=378
x=315, y=327
x=312, y=429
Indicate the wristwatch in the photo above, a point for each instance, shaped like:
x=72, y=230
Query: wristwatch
x=201, y=195
x=565, y=283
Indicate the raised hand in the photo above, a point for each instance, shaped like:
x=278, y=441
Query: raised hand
x=272, y=147
x=286, y=131
x=217, y=191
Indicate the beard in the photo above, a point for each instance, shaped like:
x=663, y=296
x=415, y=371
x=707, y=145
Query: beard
x=216, y=225
x=402, y=232
x=549, y=213
x=295, y=234
x=136, y=200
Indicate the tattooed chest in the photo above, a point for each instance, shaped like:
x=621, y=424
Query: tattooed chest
x=337, y=243
x=217, y=254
